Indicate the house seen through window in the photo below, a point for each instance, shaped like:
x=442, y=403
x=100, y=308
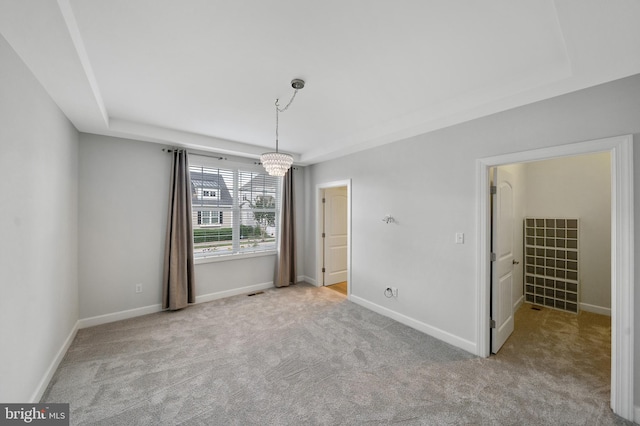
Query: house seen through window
x=234, y=210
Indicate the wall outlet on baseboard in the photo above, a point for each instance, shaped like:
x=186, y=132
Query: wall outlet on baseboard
x=138, y=288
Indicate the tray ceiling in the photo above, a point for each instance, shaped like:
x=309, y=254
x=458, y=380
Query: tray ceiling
x=205, y=74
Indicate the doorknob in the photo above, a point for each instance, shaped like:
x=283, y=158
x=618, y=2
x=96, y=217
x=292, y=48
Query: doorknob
x=515, y=262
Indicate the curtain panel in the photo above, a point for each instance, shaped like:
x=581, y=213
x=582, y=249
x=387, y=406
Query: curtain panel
x=285, y=271
x=178, y=275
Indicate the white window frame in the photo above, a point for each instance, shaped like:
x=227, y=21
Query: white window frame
x=236, y=251
x=218, y=217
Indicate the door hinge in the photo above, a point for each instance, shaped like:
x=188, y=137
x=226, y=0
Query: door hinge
x=492, y=323
x=324, y=200
x=324, y=235
x=493, y=190
x=324, y=270
x=493, y=257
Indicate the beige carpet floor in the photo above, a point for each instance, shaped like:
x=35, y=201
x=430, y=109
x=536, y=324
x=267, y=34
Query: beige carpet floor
x=306, y=356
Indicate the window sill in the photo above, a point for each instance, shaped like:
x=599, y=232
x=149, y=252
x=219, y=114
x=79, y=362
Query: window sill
x=236, y=256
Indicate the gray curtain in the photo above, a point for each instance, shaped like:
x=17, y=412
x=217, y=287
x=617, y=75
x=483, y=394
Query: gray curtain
x=285, y=273
x=178, y=278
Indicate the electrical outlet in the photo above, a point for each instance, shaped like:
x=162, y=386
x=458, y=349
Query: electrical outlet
x=138, y=288
x=391, y=292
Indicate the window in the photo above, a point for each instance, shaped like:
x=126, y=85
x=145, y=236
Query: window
x=234, y=209
x=209, y=218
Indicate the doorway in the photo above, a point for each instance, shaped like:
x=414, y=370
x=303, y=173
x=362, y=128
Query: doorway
x=333, y=230
x=622, y=258
x=562, y=258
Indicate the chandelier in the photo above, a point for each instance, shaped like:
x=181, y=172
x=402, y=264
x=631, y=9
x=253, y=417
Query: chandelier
x=277, y=163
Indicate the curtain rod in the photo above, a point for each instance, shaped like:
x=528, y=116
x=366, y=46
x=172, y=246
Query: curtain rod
x=169, y=151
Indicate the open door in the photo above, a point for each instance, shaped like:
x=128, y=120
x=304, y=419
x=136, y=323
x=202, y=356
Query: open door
x=335, y=235
x=502, y=235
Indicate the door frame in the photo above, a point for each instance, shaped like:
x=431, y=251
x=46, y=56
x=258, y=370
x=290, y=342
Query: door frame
x=319, y=224
x=622, y=254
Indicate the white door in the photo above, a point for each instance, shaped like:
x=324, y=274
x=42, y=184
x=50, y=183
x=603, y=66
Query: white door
x=335, y=231
x=502, y=267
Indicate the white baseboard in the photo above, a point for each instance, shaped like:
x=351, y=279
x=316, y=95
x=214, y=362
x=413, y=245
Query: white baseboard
x=234, y=292
x=308, y=280
x=132, y=313
x=595, y=309
x=42, y=386
x=418, y=325
x=117, y=316
x=518, y=303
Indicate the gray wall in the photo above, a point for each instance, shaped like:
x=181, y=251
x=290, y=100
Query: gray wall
x=38, y=230
x=123, y=193
x=428, y=183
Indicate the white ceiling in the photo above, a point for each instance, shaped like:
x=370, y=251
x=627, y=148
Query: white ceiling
x=205, y=73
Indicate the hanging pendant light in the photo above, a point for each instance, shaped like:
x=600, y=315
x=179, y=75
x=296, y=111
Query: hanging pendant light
x=277, y=163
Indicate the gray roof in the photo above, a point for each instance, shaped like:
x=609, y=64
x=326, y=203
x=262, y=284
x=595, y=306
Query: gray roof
x=261, y=183
x=210, y=181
